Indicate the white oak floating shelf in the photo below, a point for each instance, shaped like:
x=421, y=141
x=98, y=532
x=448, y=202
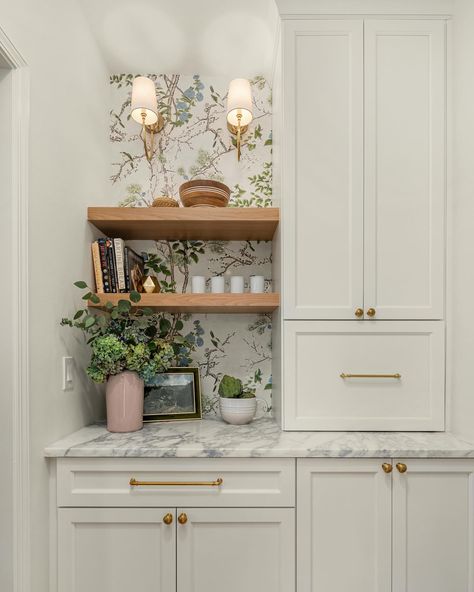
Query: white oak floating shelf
x=186, y=223
x=203, y=303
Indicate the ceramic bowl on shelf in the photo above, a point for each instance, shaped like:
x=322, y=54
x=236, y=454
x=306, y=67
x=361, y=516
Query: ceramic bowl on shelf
x=203, y=193
x=239, y=411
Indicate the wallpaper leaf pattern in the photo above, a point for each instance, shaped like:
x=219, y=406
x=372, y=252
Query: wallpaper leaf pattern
x=194, y=144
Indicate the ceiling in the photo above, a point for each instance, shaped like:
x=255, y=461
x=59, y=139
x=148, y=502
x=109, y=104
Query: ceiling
x=209, y=37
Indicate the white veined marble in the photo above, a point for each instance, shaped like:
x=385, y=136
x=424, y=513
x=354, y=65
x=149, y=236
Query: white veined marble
x=262, y=438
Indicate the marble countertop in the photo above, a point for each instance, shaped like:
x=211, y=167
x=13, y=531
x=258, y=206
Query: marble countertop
x=262, y=438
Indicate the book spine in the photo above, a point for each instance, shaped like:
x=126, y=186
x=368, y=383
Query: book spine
x=103, y=264
x=118, y=247
x=99, y=284
x=111, y=265
x=126, y=269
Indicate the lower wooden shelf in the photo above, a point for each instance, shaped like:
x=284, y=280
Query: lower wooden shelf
x=204, y=303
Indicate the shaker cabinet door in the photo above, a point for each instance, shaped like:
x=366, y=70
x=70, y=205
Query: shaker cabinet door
x=322, y=176
x=236, y=549
x=344, y=522
x=433, y=526
x=405, y=161
x=116, y=550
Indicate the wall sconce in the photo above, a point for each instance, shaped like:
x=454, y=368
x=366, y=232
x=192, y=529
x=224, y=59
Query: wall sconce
x=239, y=109
x=144, y=110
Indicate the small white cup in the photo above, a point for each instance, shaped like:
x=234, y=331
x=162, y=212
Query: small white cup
x=257, y=284
x=237, y=284
x=198, y=284
x=217, y=284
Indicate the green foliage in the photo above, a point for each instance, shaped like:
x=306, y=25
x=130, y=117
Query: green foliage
x=230, y=387
x=123, y=337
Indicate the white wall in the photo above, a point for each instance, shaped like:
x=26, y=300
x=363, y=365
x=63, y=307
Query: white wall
x=462, y=227
x=68, y=171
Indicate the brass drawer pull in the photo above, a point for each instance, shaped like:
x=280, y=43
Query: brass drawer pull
x=216, y=483
x=344, y=375
x=387, y=468
x=401, y=467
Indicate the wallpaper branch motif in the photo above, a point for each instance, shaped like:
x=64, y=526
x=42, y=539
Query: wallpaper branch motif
x=195, y=143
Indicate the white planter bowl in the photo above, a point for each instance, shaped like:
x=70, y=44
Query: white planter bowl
x=239, y=411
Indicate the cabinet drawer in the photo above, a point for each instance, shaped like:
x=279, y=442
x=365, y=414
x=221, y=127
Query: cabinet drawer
x=245, y=482
x=407, y=394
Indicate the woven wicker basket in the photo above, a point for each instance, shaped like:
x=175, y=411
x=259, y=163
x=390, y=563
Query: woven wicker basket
x=165, y=202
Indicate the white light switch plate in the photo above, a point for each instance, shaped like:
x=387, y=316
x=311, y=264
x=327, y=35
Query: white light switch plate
x=68, y=373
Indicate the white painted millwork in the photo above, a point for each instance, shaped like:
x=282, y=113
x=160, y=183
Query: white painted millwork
x=235, y=549
x=363, y=139
x=246, y=482
x=318, y=398
x=433, y=526
x=344, y=522
x=405, y=168
x=322, y=171
x=123, y=549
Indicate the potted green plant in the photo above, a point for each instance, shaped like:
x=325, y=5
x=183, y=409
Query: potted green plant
x=237, y=403
x=129, y=345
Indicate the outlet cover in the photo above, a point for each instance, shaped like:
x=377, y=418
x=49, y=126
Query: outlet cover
x=68, y=373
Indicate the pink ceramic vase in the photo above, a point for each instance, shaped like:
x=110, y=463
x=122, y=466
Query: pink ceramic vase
x=124, y=400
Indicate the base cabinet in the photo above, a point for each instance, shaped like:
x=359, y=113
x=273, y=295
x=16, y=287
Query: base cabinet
x=235, y=549
x=363, y=529
x=115, y=550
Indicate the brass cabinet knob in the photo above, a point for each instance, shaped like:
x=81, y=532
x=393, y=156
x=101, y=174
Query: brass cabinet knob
x=168, y=518
x=359, y=312
x=371, y=312
x=387, y=468
x=182, y=518
x=401, y=467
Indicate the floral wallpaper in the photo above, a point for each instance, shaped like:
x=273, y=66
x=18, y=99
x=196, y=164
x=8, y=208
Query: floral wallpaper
x=193, y=144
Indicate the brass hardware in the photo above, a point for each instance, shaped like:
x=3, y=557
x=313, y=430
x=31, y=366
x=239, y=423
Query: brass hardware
x=387, y=468
x=182, y=518
x=344, y=375
x=150, y=130
x=168, y=518
x=238, y=131
x=216, y=483
x=371, y=312
x=359, y=312
x=401, y=467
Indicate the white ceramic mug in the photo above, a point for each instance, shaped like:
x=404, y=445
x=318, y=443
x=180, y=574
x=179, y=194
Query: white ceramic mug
x=257, y=284
x=240, y=411
x=237, y=284
x=198, y=284
x=217, y=284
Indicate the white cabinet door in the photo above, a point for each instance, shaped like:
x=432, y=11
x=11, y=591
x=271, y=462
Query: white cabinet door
x=345, y=375
x=344, y=523
x=433, y=526
x=322, y=176
x=115, y=550
x=405, y=122
x=236, y=549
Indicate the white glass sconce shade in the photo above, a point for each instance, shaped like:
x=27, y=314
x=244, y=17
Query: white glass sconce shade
x=144, y=101
x=239, y=102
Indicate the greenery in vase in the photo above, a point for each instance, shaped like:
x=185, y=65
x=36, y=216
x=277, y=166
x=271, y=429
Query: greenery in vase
x=233, y=388
x=125, y=337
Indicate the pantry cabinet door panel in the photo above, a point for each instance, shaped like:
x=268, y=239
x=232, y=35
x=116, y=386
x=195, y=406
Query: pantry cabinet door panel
x=405, y=162
x=344, y=522
x=322, y=177
x=433, y=526
x=236, y=549
x=115, y=550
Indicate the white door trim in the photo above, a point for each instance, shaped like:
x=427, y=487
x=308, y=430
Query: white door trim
x=19, y=312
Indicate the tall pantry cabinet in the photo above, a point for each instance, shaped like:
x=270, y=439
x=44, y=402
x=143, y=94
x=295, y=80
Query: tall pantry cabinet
x=361, y=155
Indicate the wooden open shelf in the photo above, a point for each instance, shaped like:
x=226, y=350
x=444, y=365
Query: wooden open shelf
x=186, y=223
x=203, y=303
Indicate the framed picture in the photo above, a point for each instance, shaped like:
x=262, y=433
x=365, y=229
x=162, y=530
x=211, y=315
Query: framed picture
x=173, y=395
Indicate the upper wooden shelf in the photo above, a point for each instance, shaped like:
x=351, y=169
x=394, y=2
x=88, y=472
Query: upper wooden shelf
x=204, y=303
x=186, y=223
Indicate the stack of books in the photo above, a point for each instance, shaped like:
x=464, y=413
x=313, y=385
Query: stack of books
x=117, y=268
